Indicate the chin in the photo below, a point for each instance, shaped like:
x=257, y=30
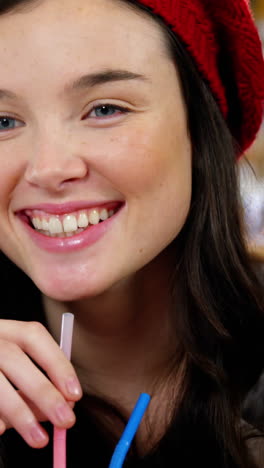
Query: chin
x=70, y=290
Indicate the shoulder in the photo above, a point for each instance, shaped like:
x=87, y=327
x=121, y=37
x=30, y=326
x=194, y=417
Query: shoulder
x=254, y=439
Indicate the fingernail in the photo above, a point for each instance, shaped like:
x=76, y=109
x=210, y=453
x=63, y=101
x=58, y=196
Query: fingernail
x=64, y=413
x=37, y=434
x=74, y=387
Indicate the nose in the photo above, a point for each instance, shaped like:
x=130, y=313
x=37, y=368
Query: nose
x=54, y=164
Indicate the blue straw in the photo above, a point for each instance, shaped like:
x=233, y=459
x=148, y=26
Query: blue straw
x=131, y=428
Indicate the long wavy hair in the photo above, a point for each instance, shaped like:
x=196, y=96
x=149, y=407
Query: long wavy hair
x=220, y=325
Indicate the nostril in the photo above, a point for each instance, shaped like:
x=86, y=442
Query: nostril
x=68, y=181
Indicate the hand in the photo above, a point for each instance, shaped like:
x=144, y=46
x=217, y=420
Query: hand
x=36, y=397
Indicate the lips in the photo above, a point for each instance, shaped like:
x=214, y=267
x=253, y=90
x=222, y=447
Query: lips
x=78, y=240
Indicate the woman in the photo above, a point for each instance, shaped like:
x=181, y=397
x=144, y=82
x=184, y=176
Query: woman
x=121, y=124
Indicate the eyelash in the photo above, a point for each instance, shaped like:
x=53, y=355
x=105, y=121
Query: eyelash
x=122, y=110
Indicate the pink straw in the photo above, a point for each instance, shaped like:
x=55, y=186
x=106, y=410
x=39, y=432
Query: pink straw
x=59, y=435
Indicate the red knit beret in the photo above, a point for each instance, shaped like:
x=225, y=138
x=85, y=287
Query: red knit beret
x=223, y=40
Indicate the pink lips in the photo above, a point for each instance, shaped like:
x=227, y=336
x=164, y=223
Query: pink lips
x=68, y=244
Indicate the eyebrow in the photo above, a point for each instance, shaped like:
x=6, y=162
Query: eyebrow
x=90, y=80
x=5, y=94
x=105, y=76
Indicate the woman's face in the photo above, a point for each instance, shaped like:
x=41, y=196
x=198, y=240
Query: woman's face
x=92, y=123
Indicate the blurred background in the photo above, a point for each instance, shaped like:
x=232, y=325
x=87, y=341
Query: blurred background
x=252, y=190
x=252, y=176
x=256, y=154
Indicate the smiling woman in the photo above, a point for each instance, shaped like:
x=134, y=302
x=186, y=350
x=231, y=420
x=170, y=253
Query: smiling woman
x=120, y=126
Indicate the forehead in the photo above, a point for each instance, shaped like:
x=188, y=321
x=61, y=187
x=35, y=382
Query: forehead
x=100, y=30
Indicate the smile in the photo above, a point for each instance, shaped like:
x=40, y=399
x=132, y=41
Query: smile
x=69, y=224
x=69, y=227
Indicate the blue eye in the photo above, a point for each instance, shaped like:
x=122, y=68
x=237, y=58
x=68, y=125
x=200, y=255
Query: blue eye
x=8, y=123
x=107, y=110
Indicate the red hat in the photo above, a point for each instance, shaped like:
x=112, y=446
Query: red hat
x=222, y=38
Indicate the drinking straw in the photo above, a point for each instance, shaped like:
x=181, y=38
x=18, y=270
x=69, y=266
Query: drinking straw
x=59, y=435
x=130, y=430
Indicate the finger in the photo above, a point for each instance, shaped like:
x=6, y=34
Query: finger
x=19, y=416
x=39, y=415
x=22, y=372
x=36, y=341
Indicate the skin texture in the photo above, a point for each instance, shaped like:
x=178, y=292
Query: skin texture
x=60, y=151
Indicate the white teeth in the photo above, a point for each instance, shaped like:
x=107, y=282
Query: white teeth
x=59, y=226
x=55, y=226
x=37, y=223
x=45, y=225
x=70, y=223
x=94, y=217
x=104, y=215
x=83, y=221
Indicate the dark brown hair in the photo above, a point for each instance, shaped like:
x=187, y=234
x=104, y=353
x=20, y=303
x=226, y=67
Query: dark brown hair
x=221, y=322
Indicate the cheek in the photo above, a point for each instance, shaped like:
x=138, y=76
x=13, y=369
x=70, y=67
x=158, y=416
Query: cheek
x=11, y=167
x=158, y=184
x=155, y=161
x=152, y=169
x=152, y=160
x=10, y=177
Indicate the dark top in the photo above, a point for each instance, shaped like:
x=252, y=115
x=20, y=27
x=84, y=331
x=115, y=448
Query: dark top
x=85, y=445
x=85, y=448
